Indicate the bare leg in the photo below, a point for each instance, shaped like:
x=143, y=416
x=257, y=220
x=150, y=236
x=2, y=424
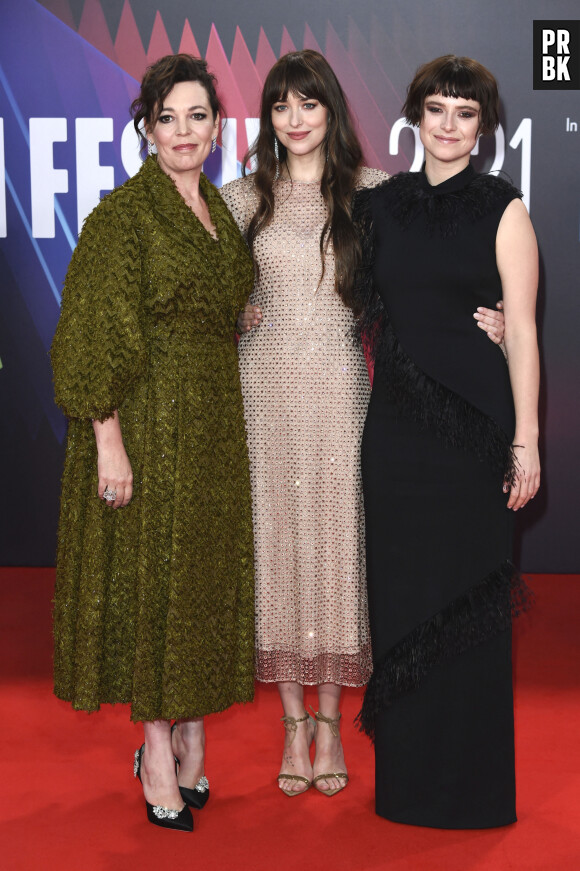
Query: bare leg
x=158, y=766
x=296, y=758
x=189, y=747
x=329, y=754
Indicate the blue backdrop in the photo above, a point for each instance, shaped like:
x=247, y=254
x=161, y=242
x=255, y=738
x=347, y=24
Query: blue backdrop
x=68, y=72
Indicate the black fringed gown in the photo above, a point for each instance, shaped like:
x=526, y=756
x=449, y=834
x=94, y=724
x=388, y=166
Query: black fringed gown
x=436, y=447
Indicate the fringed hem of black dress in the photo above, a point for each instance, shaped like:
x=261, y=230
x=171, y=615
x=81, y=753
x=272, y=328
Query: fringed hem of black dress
x=434, y=407
x=483, y=612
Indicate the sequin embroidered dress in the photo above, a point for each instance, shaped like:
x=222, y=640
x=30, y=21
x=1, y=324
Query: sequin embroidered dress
x=306, y=388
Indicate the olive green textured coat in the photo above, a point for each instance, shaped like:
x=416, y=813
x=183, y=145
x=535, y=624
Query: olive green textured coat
x=154, y=602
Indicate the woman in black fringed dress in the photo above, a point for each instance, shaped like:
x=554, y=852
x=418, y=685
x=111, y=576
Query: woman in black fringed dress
x=450, y=446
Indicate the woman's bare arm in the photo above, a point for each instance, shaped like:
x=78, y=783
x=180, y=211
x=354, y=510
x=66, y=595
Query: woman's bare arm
x=517, y=261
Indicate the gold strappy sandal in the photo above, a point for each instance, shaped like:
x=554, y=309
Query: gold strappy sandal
x=340, y=775
x=291, y=725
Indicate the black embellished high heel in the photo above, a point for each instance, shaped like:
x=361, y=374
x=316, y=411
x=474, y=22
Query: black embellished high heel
x=165, y=817
x=198, y=796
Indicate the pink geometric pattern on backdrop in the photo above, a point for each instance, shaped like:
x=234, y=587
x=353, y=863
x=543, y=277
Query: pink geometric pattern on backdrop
x=62, y=10
x=246, y=74
x=384, y=94
x=159, y=44
x=234, y=102
x=93, y=28
x=360, y=67
x=128, y=46
x=310, y=40
x=358, y=97
x=188, y=45
x=286, y=45
x=265, y=57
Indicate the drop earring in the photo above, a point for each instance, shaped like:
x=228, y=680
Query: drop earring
x=150, y=147
x=277, y=156
x=213, y=144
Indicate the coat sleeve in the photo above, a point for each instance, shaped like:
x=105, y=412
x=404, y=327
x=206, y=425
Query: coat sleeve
x=98, y=349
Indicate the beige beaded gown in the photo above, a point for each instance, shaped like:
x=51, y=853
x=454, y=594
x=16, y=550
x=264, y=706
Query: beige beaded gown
x=306, y=388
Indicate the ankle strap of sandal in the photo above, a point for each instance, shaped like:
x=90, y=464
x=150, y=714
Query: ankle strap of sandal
x=291, y=724
x=332, y=723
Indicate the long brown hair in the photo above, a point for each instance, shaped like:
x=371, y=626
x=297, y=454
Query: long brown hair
x=308, y=74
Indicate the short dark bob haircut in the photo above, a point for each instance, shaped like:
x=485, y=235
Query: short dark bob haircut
x=161, y=77
x=452, y=76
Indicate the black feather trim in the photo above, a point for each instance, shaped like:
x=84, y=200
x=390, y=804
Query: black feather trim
x=435, y=407
x=419, y=397
x=483, y=612
x=367, y=304
x=402, y=197
x=409, y=193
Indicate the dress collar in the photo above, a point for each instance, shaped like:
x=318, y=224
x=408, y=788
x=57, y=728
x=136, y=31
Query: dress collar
x=166, y=200
x=450, y=185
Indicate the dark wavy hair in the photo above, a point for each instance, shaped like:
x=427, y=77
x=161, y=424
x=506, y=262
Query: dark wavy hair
x=161, y=77
x=452, y=76
x=308, y=74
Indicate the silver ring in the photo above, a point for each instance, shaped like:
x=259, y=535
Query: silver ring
x=109, y=495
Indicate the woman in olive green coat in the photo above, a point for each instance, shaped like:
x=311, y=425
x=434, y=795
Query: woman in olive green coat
x=154, y=596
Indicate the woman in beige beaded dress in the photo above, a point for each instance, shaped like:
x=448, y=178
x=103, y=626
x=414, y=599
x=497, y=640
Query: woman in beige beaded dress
x=306, y=388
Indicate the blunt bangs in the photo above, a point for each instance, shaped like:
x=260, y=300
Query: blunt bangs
x=296, y=74
x=457, y=77
x=460, y=85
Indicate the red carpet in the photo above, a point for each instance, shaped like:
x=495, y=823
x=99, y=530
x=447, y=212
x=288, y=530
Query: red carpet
x=69, y=801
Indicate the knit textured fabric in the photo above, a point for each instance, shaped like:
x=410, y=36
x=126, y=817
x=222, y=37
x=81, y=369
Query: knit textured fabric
x=154, y=602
